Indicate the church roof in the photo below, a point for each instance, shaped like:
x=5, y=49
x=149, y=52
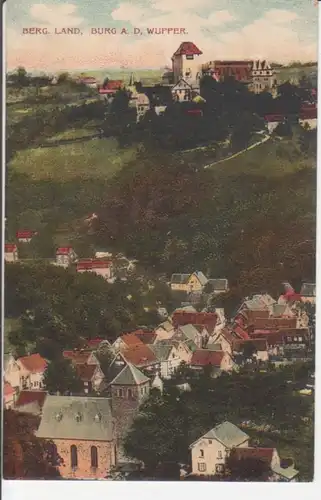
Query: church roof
x=130, y=375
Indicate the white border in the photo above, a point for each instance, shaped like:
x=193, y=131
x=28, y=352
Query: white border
x=53, y=490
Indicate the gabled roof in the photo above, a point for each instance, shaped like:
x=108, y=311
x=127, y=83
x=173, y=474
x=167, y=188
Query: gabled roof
x=79, y=418
x=214, y=347
x=167, y=326
x=139, y=355
x=218, y=284
x=130, y=339
x=64, y=250
x=288, y=473
x=77, y=356
x=227, y=434
x=179, y=279
x=145, y=337
x=201, y=277
x=161, y=350
x=130, y=375
x=33, y=363
x=181, y=318
x=10, y=247
x=182, y=84
x=206, y=357
x=308, y=290
x=25, y=234
x=190, y=332
x=29, y=397
x=187, y=49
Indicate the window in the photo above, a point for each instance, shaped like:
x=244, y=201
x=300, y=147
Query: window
x=74, y=456
x=219, y=469
x=300, y=339
x=120, y=393
x=219, y=454
x=190, y=57
x=129, y=394
x=201, y=453
x=94, y=457
x=142, y=390
x=210, y=441
x=201, y=467
x=295, y=339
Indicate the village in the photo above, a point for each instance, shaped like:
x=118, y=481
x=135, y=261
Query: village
x=91, y=420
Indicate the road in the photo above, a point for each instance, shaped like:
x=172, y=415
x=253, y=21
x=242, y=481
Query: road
x=265, y=138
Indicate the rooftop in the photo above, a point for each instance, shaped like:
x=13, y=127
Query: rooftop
x=29, y=397
x=187, y=49
x=206, y=357
x=227, y=433
x=33, y=363
x=129, y=375
x=72, y=417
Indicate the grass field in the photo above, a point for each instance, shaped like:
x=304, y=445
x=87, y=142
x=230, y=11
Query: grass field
x=97, y=158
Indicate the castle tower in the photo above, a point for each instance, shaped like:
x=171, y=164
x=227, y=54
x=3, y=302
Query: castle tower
x=262, y=76
x=129, y=389
x=185, y=62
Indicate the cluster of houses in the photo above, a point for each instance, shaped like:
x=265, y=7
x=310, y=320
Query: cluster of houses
x=88, y=429
x=181, y=83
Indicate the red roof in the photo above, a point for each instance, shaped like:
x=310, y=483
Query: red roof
x=85, y=372
x=274, y=323
x=291, y=297
x=130, y=339
x=107, y=91
x=187, y=49
x=27, y=397
x=63, y=250
x=8, y=390
x=241, y=333
x=33, y=363
x=113, y=85
x=88, y=79
x=181, y=318
x=274, y=118
x=10, y=247
x=308, y=113
x=146, y=337
x=139, y=355
x=280, y=336
x=93, y=264
x=25, y=234
x=204, y=357
x=265, y=454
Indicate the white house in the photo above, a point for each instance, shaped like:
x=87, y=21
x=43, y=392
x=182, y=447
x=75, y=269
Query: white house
x=100, y=267
x=262, y=76
x=26, y=372
x=182, y=91
x=164, y=331
x=210, y=451
x=65, y=256
x=10, y=252
x=169, y=357
x=142, y=106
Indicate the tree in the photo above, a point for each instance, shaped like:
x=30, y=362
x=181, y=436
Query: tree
x=63, y=77
x=61, y=376
x=20, y=77
x=24, y=455
x=247, y=469
x=249, y=350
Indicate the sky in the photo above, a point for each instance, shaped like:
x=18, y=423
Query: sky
x=276, y=30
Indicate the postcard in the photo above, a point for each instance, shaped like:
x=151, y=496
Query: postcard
x=160, y=240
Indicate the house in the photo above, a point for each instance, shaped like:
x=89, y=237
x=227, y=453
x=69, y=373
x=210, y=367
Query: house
x=142, y=106
x=182, y=91
x=308, y=293
x=218, y=285
x=272, y=121
x=90, y=81
x=81, y=356
x=9, y=394
x=224, y=338
x=65, y=256
x=284, y=475
x=82, y=430
x=91, y=376
x=141, y=356
x=26, y=372
x=125, y=341
x=263, y=77
x=183, y=317
x=128, y=389
x=30, y=402
x=10, y=252
x=101, y=267
x=185, y=62
x=258, y=346
x=25, y=236
x=193, y=333
x=241, y=71
x=164, y=331
x=210, y=451
x=168, y=357
x=188, y=282
x=146, y=337
x=218, y=360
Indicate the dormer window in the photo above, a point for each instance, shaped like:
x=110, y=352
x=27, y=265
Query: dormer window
x=97, y=417
x=78, y=417
x=59, y=416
